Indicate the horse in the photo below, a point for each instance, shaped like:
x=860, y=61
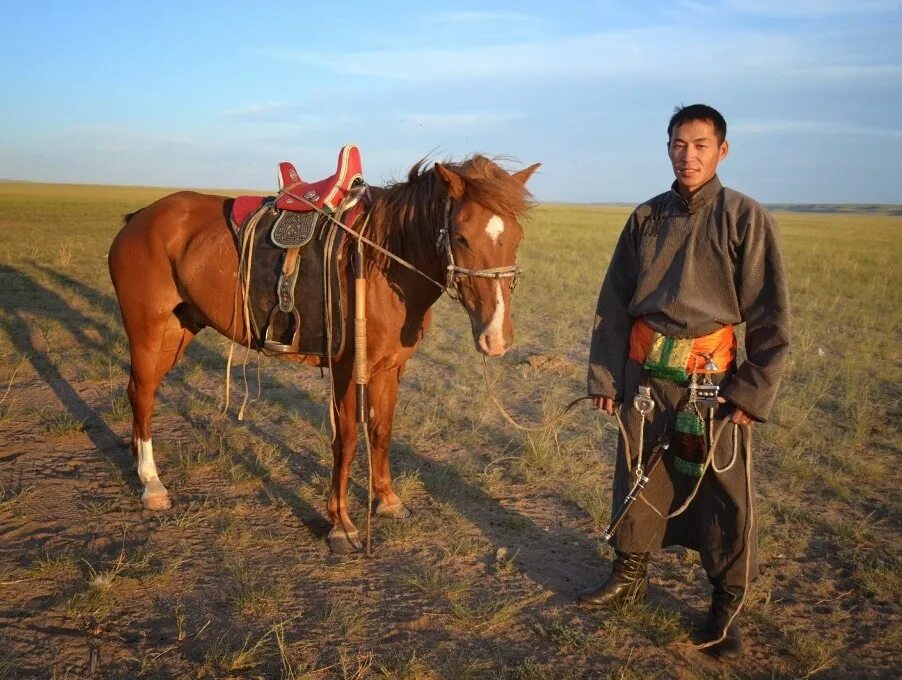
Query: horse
x=175, y=265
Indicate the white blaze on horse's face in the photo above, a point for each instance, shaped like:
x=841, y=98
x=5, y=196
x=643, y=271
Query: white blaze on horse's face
x=494, y=228
x=492, y=336
x=483, y=240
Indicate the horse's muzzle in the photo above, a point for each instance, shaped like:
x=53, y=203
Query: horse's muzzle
x=492, y=345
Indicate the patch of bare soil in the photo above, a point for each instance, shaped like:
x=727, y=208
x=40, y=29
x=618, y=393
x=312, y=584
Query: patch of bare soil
x=236, y=579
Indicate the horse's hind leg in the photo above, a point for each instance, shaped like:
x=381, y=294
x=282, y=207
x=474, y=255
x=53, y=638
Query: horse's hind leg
x=155, y=349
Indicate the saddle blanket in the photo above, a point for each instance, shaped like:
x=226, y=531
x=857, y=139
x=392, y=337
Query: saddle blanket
x=285, y=318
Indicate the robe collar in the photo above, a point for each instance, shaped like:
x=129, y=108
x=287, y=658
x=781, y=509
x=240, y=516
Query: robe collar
x=704, y=195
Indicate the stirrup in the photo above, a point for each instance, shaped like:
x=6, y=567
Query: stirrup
x=281, y=347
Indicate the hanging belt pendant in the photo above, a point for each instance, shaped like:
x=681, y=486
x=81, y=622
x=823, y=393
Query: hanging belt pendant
x=707, y=394
x=644, y=404
x=643, y=401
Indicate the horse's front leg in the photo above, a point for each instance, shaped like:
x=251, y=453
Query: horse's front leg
x=343, y=538
x=383, y=394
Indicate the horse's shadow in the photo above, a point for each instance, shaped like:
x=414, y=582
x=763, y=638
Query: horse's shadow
x=27, y=296
x=553, y=559
x=32, y=298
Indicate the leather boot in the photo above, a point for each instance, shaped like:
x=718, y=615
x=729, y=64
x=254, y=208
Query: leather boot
x=724, y=602
x=626, y=584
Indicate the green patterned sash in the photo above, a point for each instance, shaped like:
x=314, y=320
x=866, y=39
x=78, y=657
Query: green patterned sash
x=668, y=357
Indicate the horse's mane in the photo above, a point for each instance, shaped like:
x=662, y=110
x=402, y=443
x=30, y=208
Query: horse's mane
x=406, y=215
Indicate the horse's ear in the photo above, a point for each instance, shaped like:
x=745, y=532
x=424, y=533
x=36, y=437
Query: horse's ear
x=452, y=180
x=523, y=175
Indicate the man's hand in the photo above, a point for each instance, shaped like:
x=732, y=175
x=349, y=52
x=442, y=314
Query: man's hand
x=605, y=404
x=739, y=416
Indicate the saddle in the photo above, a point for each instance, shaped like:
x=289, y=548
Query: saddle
x=290, y=251
x=297, y=195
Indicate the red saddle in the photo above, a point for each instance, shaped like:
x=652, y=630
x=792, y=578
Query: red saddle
x=327, y=194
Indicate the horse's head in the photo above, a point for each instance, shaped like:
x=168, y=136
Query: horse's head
x=482, y=236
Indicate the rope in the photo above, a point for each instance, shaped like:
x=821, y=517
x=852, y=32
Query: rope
x=710, y=461
x=360, y=238
x=509, y=418
x=248, y=258
x=748, y=538
x=242, y=289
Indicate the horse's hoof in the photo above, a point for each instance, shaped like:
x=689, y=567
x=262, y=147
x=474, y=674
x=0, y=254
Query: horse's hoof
x=155, y=496
x=344, y=542
x=156, y=502
x=396, y=511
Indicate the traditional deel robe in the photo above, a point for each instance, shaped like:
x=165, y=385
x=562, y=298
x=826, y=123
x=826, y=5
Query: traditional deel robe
x=687, y=268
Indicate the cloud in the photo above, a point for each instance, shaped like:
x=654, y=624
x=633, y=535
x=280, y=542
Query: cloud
x=459, y=119
x=813, y=127
x=264, y=111
x=655, y=53
x=854, y=72
x=813, y=8
x=474, y=17
x=595, y=55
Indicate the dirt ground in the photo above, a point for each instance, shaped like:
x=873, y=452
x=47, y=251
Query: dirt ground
x=236, y=580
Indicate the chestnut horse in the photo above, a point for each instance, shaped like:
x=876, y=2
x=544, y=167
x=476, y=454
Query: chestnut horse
x=174, y=266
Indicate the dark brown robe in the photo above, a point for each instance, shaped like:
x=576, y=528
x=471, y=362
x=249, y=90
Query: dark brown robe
x=688, y=268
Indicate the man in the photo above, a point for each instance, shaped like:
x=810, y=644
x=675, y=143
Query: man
x=690, y=264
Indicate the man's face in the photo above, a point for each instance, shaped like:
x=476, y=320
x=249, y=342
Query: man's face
x=694, y=153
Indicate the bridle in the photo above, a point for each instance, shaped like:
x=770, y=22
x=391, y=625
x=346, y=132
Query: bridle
x=455, y=273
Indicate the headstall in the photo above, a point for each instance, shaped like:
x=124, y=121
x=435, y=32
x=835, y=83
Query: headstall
x=454, y=272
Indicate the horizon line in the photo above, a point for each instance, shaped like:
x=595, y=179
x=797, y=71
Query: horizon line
x=232, y=190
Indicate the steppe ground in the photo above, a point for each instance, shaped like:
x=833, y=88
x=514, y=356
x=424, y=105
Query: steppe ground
x=236, y=579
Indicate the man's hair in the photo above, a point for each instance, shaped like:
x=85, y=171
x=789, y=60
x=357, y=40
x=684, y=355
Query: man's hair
x=686, y=114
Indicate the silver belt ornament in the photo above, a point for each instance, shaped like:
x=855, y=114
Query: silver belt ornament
x=644, y=404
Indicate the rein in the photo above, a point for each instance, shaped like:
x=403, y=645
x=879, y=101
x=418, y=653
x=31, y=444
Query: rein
x=454, y=272
x=510, y=419
x=360, y=237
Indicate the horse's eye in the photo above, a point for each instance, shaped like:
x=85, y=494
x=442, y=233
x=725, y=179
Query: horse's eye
x=460, y=240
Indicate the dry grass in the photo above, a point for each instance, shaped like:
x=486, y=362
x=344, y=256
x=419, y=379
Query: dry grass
x=235, y=580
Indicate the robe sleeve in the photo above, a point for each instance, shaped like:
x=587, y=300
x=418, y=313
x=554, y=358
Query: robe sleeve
x=764, y=305
x=609, y=346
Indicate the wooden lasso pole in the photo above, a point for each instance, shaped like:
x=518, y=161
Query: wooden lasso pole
x=361, y=376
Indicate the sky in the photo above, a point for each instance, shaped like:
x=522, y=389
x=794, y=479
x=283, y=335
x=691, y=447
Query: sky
x=215, y=94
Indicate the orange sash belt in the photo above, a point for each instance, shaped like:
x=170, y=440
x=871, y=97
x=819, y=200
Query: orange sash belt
x=676, y=358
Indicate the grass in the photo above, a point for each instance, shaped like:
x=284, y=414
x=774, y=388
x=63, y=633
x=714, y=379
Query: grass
x=251, y=591
x=13, y=496
x=244, y=535
x=59, y=422
x=227, y=655
x=341, y=619
x=9, y=668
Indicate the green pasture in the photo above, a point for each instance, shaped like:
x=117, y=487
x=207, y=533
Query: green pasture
x=827, y=469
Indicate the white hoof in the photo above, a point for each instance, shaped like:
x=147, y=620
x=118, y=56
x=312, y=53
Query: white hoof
x=155, y=496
